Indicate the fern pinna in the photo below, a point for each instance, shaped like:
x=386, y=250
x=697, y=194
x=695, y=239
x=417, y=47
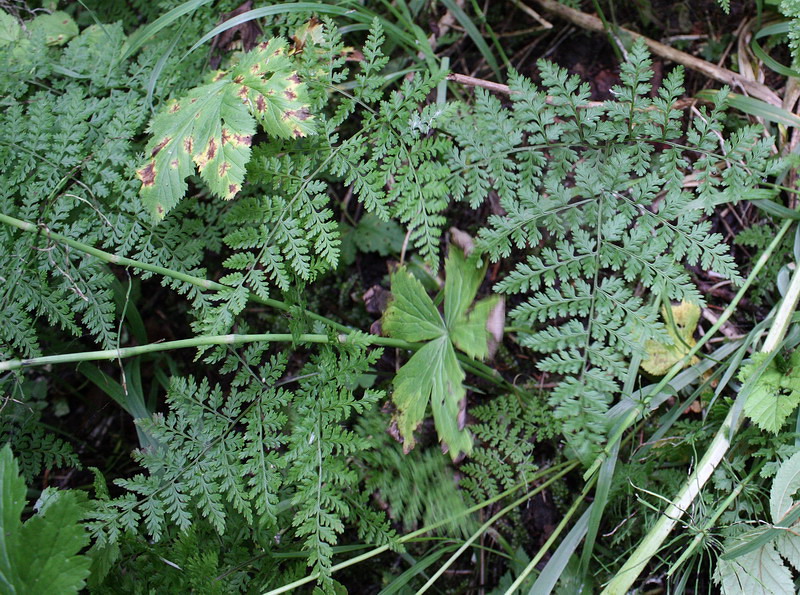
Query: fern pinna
x=595, y=203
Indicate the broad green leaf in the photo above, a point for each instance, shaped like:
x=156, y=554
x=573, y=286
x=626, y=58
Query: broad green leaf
x=777, y=393
x=411, y=315
x=663, y=356
x=462, y=280
x=212, y=127
x=9, y=29
x=760, y=572
x=374, y=235
x=784, y=487
x=433, y=375
x=470, y=333
x=39, y=556
x=58, y=28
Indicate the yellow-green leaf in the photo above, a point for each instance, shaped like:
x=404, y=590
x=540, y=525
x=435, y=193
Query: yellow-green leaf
x=662, y=356
x=212, y=126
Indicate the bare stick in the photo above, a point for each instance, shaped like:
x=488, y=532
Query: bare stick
x=723, y=75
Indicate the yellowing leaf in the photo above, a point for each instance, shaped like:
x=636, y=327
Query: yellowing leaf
x=433, y=374
x=663, y=356
x=212, y=126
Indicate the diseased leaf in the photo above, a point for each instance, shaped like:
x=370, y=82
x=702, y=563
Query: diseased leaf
x=212, y=127
x=433, y=375
x=662, y=356
x=411, y=315
x=40, y=555
x=777, y=392
x=58, y=28
x=470, y=333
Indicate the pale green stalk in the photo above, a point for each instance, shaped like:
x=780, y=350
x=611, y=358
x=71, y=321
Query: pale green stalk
x=478, y=368
x=483, y=528
x=635, y=412
x=202, y=341
x=565, y=467
x=652, y=542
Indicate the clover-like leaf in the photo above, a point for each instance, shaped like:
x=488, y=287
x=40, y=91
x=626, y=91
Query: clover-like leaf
x=212, y=126
x=663, y=356
x=433, y=374
x=776, y=394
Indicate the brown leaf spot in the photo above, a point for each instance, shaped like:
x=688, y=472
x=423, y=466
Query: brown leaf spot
x=243, y=139
x=174, y=107
x=303, y=114
x=219, y=75
x=238, y=79
x=188, y=144
x=223, y=168
x=174, y=164
x=193, y=100
x=297, y=132
x=147, y=174
x=294, y=78
x=242, y=92
x=160, y=146
x=211, y=151
x=226, y=136
x=261, y=104
x=255, y=68
x=290, y=95
x=277, y=52
x=232, y=190
x=263, y=45
x=160, y=210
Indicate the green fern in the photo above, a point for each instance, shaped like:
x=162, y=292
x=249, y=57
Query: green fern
x=594, y=195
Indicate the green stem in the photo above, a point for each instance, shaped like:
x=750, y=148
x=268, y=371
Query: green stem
x=123, y=352
x=634, y=413
x=475, y=367
x=165, y=272
x=492, y=520
x=565, y=467
x=718, y=448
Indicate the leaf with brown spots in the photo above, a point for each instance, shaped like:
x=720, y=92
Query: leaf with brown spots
x=212, y=127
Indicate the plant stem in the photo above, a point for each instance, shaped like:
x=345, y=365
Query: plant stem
x=492, y=520
x=560, y=468
x=475, y=367
x=651, y=543
x=164, y=272
x=123, y=352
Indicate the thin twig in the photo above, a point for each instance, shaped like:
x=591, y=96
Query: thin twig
x=533, y=14
x=723, y=75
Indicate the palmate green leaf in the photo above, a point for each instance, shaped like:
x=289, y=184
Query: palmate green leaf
x=212, y=126
x=411, y=315
x=433, y=373
x=777, y=393
x=39, y=556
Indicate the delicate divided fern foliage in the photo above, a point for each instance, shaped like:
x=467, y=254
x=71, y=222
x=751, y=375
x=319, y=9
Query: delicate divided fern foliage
x=595, y=194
